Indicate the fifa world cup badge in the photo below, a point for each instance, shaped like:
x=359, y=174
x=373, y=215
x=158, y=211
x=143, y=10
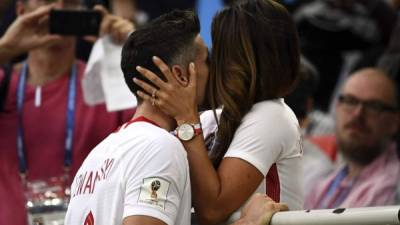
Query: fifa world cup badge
x=154, y=192
x=155, y=185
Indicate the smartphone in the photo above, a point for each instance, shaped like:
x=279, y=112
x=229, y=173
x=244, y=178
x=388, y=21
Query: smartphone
x=74, y=22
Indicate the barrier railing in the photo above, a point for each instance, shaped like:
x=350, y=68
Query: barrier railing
x=385, y=215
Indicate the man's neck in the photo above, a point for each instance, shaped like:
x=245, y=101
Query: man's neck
x=354, y=169
x=46, y=65
x=154, y=114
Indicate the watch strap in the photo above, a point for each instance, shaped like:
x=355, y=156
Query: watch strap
x=197, y=128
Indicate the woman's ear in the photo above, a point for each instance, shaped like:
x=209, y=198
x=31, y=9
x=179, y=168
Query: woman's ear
x=181, y=75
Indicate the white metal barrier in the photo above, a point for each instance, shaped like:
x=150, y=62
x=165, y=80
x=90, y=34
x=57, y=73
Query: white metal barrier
x=387, y=215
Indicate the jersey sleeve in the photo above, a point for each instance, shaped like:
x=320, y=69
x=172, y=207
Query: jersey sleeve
x=265, y=136
x=155, y=185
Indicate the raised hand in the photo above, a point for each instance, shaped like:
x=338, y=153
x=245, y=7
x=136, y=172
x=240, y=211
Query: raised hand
x=175, y=99
x=117, y=27
x=27, y=32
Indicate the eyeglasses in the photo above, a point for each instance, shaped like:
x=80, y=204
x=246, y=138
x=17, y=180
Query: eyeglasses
x=372, y=107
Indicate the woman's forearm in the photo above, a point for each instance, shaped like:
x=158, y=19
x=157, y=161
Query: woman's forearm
x=206, y=185
x=218, y=193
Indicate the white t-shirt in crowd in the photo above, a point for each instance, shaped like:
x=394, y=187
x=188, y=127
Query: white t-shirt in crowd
x=139, y=170
x=269, y=138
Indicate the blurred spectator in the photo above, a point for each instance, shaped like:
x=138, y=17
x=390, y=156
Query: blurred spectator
x=316, y=164
x=328, y=28
x=367, y=118
x=46, y=128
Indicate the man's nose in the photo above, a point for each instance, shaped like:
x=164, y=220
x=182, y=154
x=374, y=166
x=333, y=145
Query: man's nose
x=359, y=110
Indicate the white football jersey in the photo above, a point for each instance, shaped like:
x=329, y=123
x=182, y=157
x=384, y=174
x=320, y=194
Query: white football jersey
x=139, y=170
x=268, y=138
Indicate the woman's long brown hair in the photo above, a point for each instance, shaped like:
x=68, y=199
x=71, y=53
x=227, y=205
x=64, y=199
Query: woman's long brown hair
x=255, y=57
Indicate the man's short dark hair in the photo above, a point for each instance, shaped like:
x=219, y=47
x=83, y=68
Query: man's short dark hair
x=170, y=37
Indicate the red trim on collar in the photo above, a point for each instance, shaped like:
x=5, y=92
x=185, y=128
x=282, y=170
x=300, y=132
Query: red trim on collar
x=141, y=119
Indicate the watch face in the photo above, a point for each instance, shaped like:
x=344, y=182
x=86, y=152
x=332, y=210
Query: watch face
x=185, y=132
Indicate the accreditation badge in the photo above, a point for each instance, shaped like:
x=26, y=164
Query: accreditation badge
x=47, y=200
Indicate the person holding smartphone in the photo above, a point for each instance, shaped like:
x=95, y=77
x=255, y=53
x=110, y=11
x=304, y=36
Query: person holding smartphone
x=26, y=33
x=46, y=129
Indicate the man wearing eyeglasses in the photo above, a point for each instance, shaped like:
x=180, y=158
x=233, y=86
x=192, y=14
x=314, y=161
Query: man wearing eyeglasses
x=367, y=119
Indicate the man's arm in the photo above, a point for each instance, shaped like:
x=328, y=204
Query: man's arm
x=27, y=32
x=156, y=182
x=259, y=210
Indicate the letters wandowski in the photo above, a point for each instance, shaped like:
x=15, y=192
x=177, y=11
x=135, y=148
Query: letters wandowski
x=85, y=183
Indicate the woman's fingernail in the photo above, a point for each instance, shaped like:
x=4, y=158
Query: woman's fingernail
x=138, y=68
x=155, y=57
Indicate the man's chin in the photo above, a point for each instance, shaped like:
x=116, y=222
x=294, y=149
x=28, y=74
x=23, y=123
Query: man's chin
x=360, y=152
x=356, y=141
x=353, y=139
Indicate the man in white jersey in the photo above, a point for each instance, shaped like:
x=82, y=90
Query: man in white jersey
x=139, y=174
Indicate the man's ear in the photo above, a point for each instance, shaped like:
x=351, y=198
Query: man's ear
x=20, y=8
x=181, y=75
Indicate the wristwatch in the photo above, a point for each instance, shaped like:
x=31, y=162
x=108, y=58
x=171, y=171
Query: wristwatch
x=187, y=131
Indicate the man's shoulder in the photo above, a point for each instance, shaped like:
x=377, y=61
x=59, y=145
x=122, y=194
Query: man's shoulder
x=137, y=146
x=149, y=137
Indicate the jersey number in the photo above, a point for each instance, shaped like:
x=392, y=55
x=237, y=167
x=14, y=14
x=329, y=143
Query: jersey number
x=89, y=219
